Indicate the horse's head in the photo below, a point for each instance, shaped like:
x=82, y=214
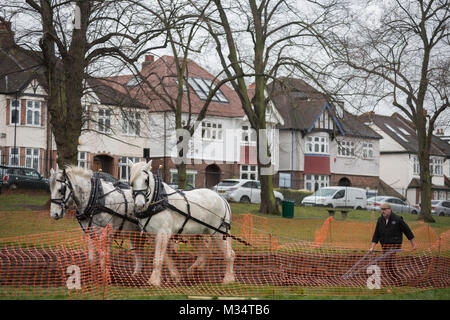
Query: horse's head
x=60, y=193
x=141, y=182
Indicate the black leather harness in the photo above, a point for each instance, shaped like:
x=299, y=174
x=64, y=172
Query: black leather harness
x=160, y=202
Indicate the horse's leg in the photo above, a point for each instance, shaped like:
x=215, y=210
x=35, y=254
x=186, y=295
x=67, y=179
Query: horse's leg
x=161, y=242
x=137, y=242
x=105, y=237
x=227, y=249
x=202, y=246
x=171, y=265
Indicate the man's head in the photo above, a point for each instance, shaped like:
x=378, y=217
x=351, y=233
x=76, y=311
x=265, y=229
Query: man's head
x=386, y=210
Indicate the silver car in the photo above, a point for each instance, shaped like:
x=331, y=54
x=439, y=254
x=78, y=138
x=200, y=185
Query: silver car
x=243, y=190
x=397, y=205
x=440, y=207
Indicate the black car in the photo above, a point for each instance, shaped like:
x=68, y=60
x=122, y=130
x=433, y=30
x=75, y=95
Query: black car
x=14, y=177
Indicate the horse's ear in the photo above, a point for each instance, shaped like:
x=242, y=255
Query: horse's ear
x=130, y=163
x=52, y=172
x=148, y=166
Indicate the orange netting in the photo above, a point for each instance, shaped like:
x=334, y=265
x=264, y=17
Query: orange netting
x=43, y=257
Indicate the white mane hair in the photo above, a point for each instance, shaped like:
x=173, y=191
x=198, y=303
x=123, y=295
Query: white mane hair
x=136, y=171
x=73, y=171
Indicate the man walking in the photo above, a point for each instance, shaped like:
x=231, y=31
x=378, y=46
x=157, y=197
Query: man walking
x=389, y=232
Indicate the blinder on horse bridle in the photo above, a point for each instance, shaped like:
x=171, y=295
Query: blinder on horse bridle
x=62, y=202
x=144, y=192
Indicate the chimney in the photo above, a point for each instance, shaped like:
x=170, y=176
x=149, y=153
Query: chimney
x=6, y=35
x=252, y=86
x=149, y=59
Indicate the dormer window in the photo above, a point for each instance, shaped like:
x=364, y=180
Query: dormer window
x=202, y=88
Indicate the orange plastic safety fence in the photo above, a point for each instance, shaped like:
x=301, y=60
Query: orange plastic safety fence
x=275, y=257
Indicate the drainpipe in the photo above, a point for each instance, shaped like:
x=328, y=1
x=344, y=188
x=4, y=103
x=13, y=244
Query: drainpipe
x=164, y=152
x=292, y=158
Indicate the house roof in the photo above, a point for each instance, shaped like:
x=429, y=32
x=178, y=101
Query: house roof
x=17, y=68
x=162, y=75
x=400, y=130
x=301, y=105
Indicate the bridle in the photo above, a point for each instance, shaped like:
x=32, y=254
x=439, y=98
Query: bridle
x=62, y=202
x=144, y=192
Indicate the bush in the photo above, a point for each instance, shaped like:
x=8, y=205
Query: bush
x=294, y=195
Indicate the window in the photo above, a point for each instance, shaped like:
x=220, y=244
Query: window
x=14, y=156
x=190, y=177
x=346, y=149
x=124, y=168
x=32, y=158
x=249, y=172
x=248, y=134
x=131, y=123
x=317, y=145
x=104, y=120
x=84, y=116
x=211, y=130
x=436, y=166
x=284, y=180
x=368, y=150
x=202, y=88
x=416, y=166
x=33, y=113
x=14, y=112
x=252, y=185
x=82, y=160
x=314, y=182
x=325, y=121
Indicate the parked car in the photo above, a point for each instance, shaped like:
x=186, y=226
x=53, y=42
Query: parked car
x=397, y=204
x=243, y=190
x=440, y=207
x=24, y=178
x=337, y=197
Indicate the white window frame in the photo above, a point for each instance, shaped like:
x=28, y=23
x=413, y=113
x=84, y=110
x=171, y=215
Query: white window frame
x=311, y=179
x=284, y=180
x=123, y=165
x=131, y=123
x=14, y=156
x=82, y=159
x=212, y=130
x=104, y=120
x=32, y=158
x=248, y=171
x=190, y=176
x=248, y=134
x=368, y=150
x=346, y=149
x=33, y=108
x=11, y=109
x=416, y=165
x=317, y=145
x=436, y=166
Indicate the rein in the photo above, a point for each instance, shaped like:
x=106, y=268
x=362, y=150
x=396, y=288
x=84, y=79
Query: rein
x=160, y=202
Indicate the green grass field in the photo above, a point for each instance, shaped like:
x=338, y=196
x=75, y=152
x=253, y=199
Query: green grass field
x=11, y=202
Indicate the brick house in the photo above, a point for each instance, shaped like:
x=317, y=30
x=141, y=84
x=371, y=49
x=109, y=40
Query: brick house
x=318, y=147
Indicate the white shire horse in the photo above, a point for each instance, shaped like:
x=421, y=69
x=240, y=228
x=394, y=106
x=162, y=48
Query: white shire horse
x=98, y=204
x=166, y=212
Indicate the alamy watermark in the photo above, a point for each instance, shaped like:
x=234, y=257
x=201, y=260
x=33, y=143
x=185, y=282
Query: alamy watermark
x=75, y=21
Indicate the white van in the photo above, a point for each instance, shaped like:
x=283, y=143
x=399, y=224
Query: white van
x=337, y=197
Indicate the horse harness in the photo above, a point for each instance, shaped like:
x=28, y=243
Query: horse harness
x=160, y=202
x=96, y=203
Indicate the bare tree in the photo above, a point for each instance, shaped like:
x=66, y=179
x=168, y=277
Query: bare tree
x=256, y=41
x=403, y=53
x=73, y=36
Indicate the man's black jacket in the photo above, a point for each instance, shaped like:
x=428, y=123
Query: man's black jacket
x=391, y=233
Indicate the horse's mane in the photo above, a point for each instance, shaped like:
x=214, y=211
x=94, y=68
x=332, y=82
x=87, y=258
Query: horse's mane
x=73, y=171
x=136, y=171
